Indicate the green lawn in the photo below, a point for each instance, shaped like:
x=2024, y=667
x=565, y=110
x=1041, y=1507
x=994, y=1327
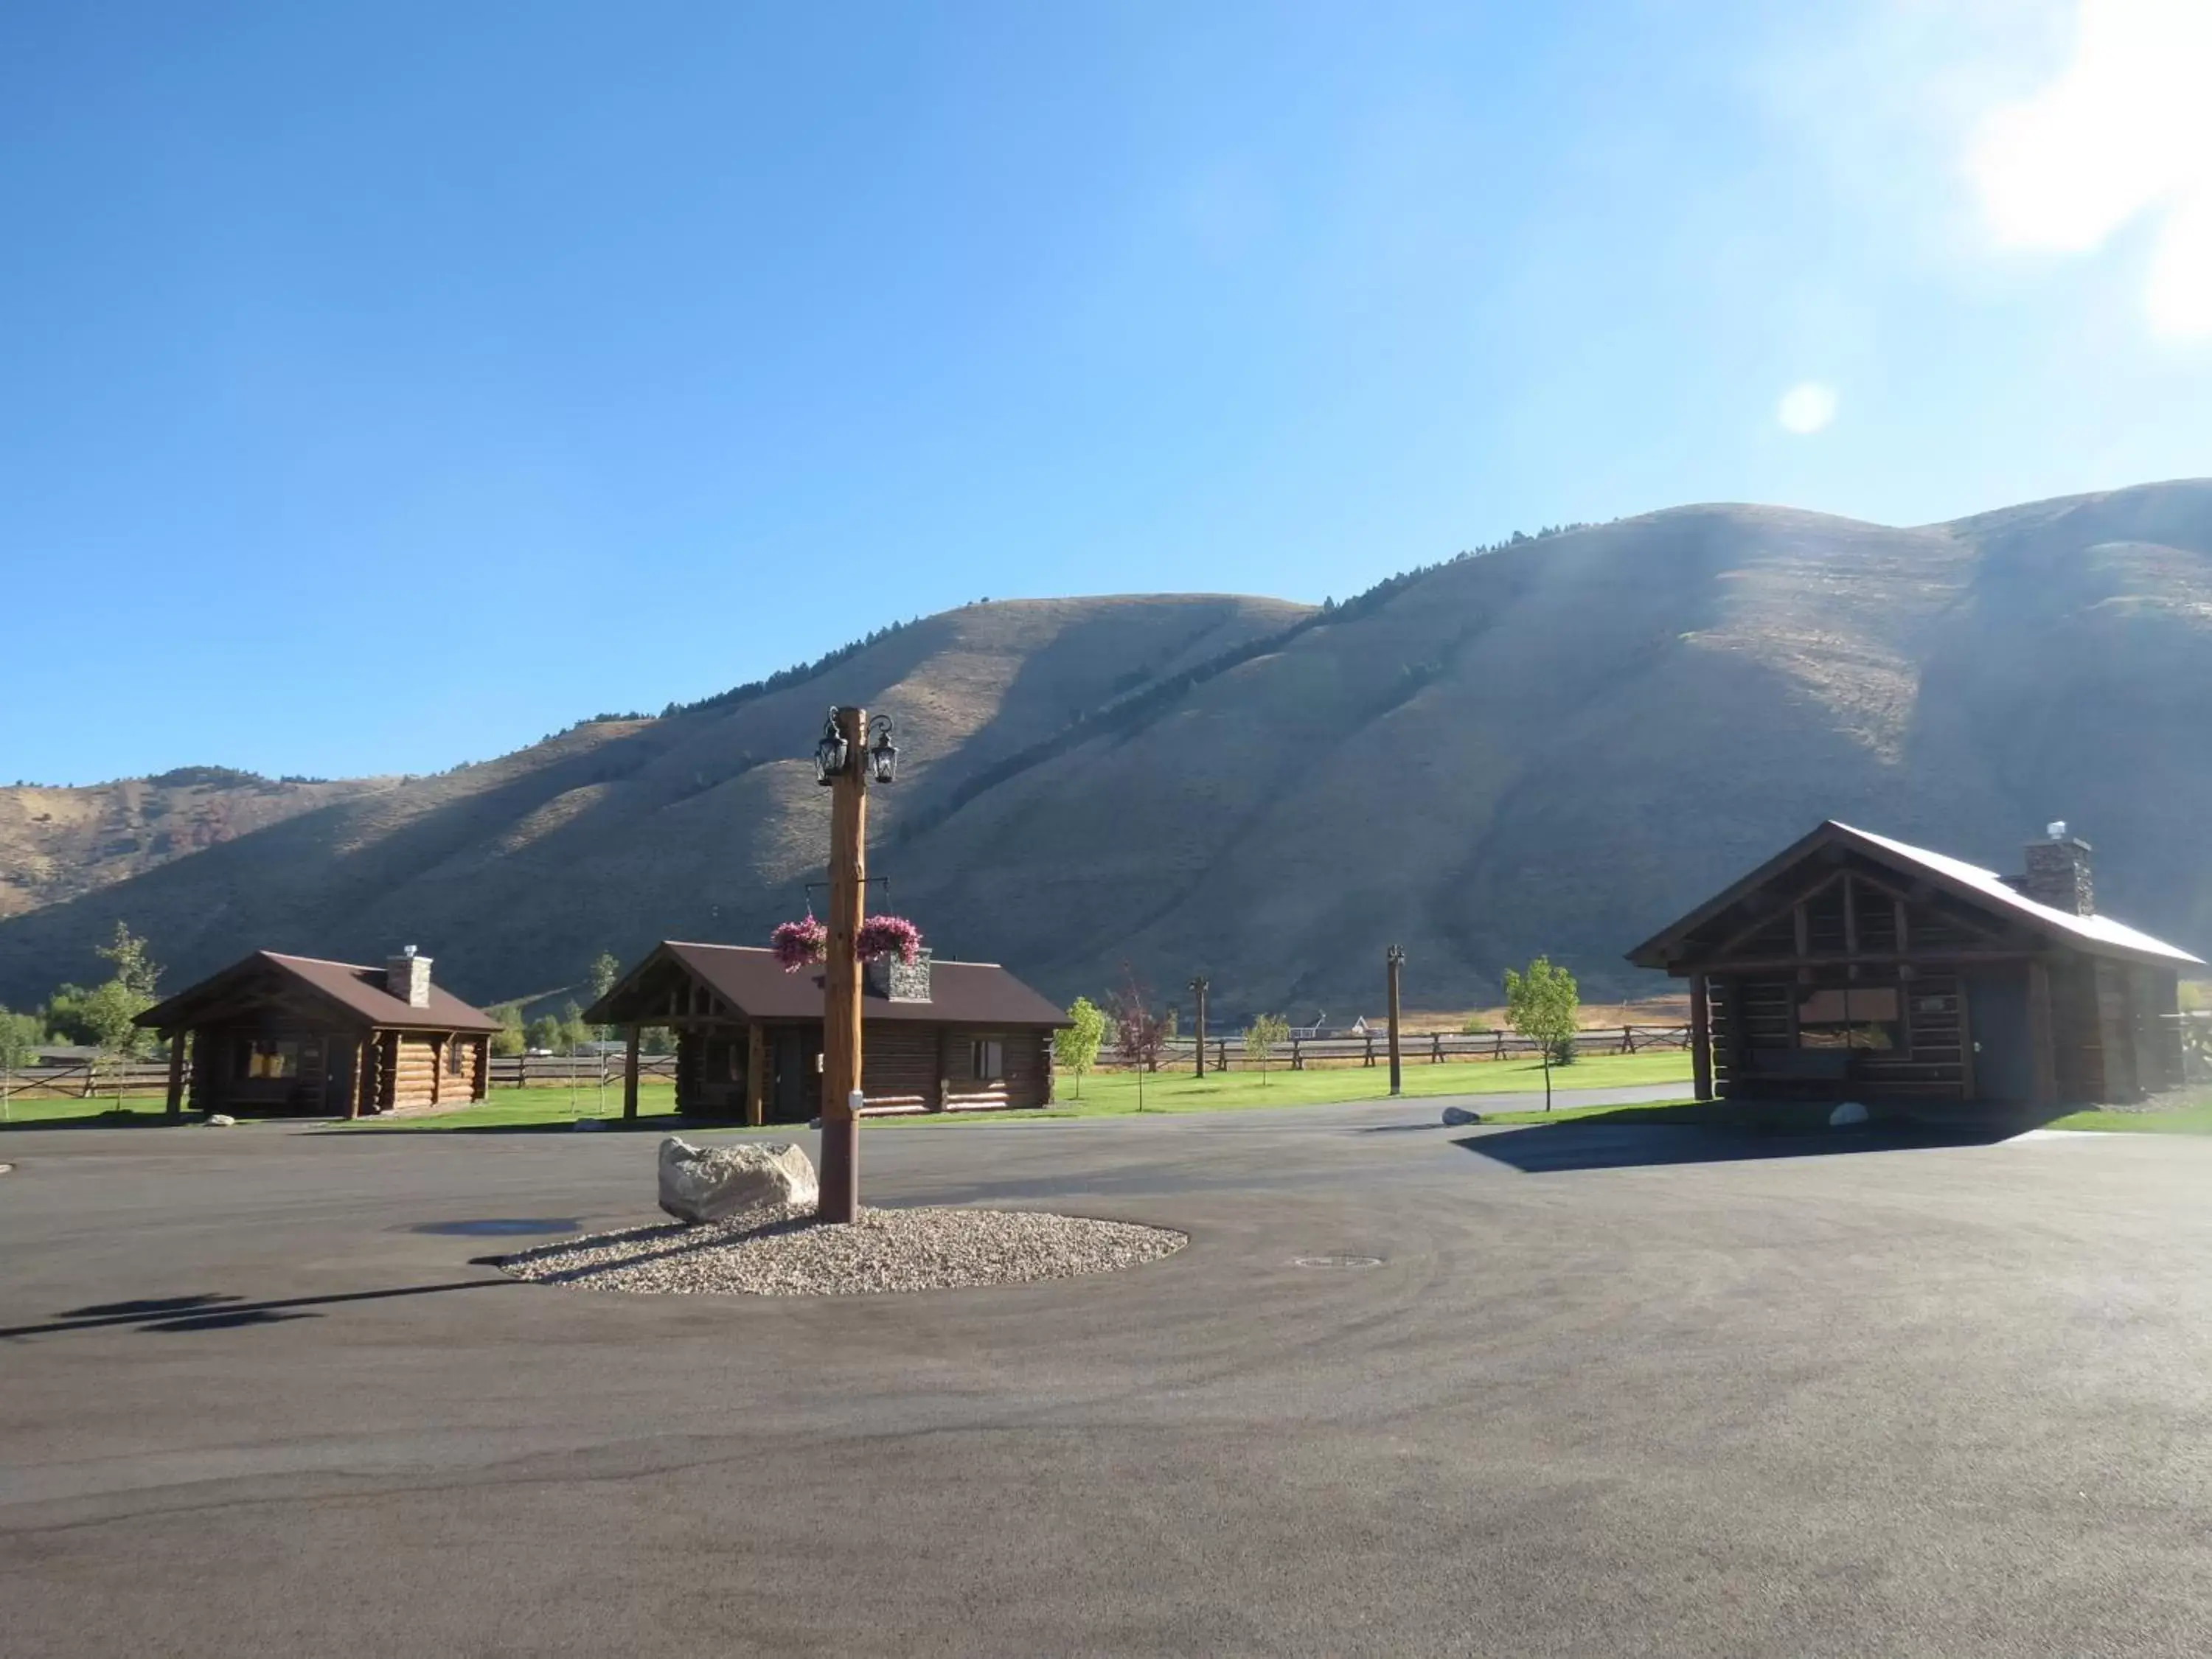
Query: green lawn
x=2194, y=1118
x=1104, y=1095
x=1115, y=1094
x=547, y=1108
x=507, y=1109
x=25, y=1113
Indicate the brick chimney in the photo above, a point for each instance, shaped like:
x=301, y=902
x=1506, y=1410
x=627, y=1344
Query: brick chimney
x=407, y=976
x=2059, y=874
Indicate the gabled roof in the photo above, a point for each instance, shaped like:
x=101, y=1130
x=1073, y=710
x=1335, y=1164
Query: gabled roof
x=1985, y=889
x=755, y=985
x=354, y=994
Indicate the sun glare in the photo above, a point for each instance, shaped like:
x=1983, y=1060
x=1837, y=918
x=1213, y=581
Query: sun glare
x=2125, y=129
x=1807, y=408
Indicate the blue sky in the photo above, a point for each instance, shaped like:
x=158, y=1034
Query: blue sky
x=384, y=387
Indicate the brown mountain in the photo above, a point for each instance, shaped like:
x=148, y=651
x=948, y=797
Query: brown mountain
x=1552, y=747
x=58, y=841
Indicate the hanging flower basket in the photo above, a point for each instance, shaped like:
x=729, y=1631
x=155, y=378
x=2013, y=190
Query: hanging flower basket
x=888, y=936
x=805, y=944
x=799, y=945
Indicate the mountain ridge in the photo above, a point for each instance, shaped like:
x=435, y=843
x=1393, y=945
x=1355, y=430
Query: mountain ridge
x=1542, y=746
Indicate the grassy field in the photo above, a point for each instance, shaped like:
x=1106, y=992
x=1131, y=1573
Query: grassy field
x=2194, y=1118
x=1114, y=1094
x=507, y=1109
x=25, y=1113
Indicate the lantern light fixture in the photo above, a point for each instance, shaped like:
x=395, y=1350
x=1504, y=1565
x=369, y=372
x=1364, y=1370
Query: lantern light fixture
x=830, y=754
x=883, y=754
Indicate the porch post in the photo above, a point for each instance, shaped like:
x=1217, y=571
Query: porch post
x=2041, y=1039
x=629, y=1076
x=755, y=1075
x=176, y=1074
x=1701, y=1037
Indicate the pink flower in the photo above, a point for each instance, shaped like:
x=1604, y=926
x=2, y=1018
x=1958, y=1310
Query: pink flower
x=799, y=945
x=888, y=936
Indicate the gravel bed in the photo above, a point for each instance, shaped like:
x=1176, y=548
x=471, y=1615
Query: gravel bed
x=781, y=1253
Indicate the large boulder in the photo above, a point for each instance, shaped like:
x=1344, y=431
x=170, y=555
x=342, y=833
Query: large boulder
x=711, y=1183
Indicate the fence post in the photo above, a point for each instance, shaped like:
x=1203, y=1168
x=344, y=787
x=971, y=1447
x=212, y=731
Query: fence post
x=1298, y=1060
x=1370, y=1048
x=1222, y=1064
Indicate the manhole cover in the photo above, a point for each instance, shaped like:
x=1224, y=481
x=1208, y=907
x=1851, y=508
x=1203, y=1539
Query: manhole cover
x=1340, y=1261
x=501, y=1226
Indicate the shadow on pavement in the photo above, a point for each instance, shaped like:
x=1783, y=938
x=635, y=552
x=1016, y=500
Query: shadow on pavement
x=213, y=1311
x=1597, y=1143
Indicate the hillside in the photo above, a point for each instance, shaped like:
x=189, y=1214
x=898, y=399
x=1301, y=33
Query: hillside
x=57, y=843
x=1551, y=747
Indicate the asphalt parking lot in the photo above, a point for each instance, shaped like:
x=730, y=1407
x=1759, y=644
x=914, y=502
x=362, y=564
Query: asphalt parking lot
x=1409, y=1390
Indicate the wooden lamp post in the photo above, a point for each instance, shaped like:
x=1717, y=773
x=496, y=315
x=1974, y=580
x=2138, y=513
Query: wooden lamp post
x=1393, y=959
x=846, y=764
x=1198, y=987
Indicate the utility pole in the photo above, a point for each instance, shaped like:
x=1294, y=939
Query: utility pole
x=1393, y=959
x=841, y=1013
x=1198, y=990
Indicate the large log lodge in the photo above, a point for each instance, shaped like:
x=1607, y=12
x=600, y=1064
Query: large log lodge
x=938, y=1035
x=1851, y=965
x=282, y=1034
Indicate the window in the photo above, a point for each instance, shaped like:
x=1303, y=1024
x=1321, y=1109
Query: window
x=458, y=1055
x=986, y=1060
x=1850, y=1017
x=266, y=1057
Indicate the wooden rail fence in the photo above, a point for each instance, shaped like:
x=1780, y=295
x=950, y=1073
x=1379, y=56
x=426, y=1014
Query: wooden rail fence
x=1414, y=1048
x=81, y=1079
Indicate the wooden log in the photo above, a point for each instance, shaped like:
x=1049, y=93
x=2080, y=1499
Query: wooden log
x=1701, y=1045
x=176, y=1074
x=629, y=1075
x=756, y=1075
x=2041, y=1043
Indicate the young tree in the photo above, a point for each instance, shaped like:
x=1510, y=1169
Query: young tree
x=509, y=1040
x=135, y=969
x=1540, y=1005
x=1262, y=1037
x=109, y=1012
x=1076, y=1048
x=574, y=1034
x=19, y=1036
x=605, y=970
x=1138, y=1031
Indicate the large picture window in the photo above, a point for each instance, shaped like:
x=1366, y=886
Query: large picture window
x=263, y=1057
x=1869, y=1017
x=986, y=1060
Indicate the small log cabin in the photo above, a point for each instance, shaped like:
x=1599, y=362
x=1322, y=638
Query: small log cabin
x=281, y=1034
x=935, y=1036
x=1853, y=966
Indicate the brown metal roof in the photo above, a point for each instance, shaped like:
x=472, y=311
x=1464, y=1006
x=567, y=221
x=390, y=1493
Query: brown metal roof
x=754, y=983
x=352, y=990
x=1985, y=889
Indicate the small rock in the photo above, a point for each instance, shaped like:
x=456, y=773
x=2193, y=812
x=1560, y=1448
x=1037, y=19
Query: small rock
x=589, y=1123
x=1846, y=1115
x=221, y=1120
x=1455, y=1115
x=708, y=1184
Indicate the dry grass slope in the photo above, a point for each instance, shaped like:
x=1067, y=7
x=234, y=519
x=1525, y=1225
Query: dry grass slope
x=1553, y=748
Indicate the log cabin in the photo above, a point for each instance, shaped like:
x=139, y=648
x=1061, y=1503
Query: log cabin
x=935, y=1036
x=1850, y=966
x=296, y=1035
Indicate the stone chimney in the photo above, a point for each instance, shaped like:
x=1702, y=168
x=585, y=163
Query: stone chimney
x=2059, y=874
x=407, y=976
x=900, y=981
